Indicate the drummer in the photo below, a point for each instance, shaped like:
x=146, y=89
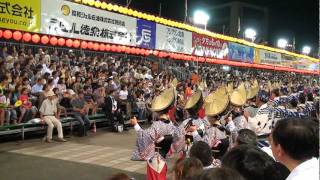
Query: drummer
x=194, y=127
x=215, y=106
x=162, y=133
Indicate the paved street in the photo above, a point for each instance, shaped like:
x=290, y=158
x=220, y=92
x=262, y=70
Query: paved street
x=94, y=157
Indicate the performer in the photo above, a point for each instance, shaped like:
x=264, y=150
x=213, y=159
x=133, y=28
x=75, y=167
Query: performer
x=215, y=106
x=238, y=98
x=252, y=92
x=193, y=128
x=259, y=123
x=162, y=133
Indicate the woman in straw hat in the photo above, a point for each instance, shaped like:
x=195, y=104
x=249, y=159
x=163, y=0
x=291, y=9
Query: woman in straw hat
x=193, y=128
x=215, y=106
x=162, y=133
x=238, y=98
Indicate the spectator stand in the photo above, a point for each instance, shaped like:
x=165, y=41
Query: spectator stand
x=177, y=68
x=68, y=123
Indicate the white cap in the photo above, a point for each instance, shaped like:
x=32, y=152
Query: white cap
x=71, y=92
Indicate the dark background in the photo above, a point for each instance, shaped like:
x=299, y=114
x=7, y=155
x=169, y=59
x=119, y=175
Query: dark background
x=287, y=18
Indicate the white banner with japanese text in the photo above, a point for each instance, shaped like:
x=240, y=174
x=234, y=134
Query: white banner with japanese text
x=173, y=39
x=268, y=57
x=68, y=19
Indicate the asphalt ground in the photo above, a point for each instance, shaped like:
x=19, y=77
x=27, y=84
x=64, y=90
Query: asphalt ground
x=96, y=156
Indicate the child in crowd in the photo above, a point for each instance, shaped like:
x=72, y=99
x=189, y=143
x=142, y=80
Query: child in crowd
x=26, y=106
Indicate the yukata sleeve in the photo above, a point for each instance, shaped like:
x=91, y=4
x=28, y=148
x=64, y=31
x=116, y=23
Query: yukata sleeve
x=145, y=143
x=257, y=122
x=285, y=113
x=307, y=109
x=178, y=138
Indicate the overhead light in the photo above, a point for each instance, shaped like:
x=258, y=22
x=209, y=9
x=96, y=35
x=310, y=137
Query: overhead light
x=282, y=43
x=306, y=49
x=200, y=17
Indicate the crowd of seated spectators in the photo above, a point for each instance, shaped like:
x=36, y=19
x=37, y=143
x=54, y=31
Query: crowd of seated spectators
x=28, y=73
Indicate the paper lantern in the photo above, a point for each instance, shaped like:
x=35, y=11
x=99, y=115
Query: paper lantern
x=157, y=19
x=45, y=39
x=140, y=15
x=130, y=12
x=96, y=46
x=76, y=43
x=156, y=53
x=108, y=47
x=115, y=7
x=53, y=41
x=91, y=2
x=90, y=45
x=77, y=1
x=140, y=51
x=135, y=13
x=144, y=16
x=7, y=34
x=136, y=51
x=102, y=47
x=132, y=50
x=123, y=49
x=104, y=5
x=69, y=43
x=147, y=52
x=152, y=18
x=97, y=4
x=84, y=44
x=61, y=41
x=85, y=1
x=125, y=11
x=35, y=38
x=119, y=49
x=109, y=7
x=26, y=37
x=128, y=50
x=1, y=33
x=17, y=35
x=143, y=52
x=160, y=54
x=113, y=48
x=120, y=9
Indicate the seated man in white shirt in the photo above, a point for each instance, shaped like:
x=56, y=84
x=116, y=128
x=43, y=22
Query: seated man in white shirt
x=48, y=114
x=294, y=143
